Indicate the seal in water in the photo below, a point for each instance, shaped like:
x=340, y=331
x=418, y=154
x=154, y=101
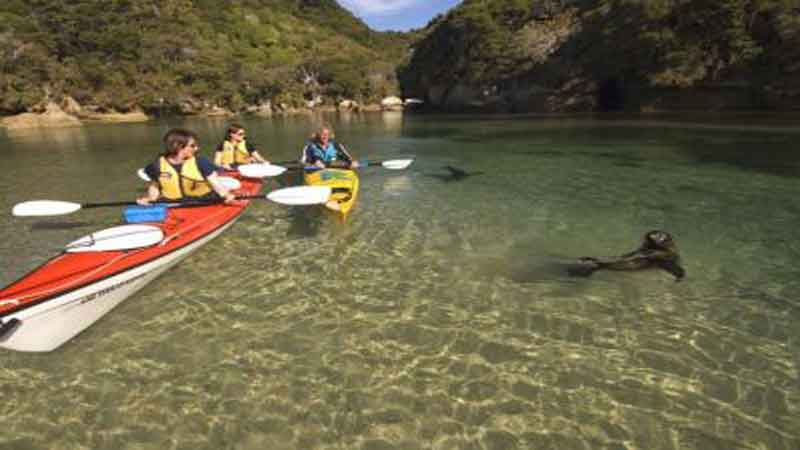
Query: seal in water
x=455, y=174
x=658, y=250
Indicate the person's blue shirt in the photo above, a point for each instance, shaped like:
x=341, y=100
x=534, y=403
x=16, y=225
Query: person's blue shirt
x=314, y=152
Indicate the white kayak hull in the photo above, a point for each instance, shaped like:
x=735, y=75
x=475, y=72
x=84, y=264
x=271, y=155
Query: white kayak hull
x=46, y=326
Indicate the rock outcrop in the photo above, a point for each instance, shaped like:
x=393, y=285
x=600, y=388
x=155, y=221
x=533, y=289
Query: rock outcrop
x=348, y=105
x=263, y=109
x=602, y=56
x=53, y=116
x=392, y=103
x=116, y=117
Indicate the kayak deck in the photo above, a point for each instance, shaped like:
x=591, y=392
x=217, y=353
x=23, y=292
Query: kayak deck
x=343, y=182
x=69, y=274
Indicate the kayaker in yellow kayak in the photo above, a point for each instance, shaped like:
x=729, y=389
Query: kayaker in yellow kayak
x=235, y=150
x=178, y=174
x=322, y=151
x=334, y=166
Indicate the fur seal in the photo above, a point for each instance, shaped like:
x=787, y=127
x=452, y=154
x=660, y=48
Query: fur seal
x=658, y=250
x=456, y=174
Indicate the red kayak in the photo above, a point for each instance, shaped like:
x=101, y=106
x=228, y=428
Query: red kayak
x=67, y=294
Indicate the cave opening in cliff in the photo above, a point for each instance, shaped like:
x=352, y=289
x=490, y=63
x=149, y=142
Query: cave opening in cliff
x=610, y=96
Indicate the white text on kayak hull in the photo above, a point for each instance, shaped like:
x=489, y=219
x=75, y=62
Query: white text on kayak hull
x=48, y=325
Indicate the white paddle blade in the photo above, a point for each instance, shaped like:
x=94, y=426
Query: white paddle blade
x=301, y=195
x=260, y=170
x=228, y=183
x=124, y=237
x=44, y=208
x=143, y=175
x=397, y=164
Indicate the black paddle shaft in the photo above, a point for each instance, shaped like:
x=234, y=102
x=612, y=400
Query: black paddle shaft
x=107, y=204
x=338, y=164
x=203, y=202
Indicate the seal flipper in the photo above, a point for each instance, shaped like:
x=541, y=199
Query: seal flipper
x=674, y=268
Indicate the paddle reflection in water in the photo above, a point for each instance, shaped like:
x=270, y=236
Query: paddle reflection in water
x=59, y=225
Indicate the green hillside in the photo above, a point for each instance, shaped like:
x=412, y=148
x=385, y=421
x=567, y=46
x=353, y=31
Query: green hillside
x=562, y=55
x=161, y=54
x=484, y=55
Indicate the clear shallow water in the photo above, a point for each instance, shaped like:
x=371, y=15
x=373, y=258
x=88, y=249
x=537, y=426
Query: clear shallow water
x=437, y=316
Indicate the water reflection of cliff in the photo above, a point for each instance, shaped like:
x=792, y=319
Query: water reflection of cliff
x=392, y=121
x=49, y=138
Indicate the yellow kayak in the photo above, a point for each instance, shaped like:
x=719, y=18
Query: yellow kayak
x=343, y=182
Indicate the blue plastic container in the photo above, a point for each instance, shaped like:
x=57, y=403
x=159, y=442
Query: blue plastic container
x=139, y=214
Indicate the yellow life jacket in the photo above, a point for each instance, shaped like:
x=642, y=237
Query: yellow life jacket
x=235, y=153
x=190, y=182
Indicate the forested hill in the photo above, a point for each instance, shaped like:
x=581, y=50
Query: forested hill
x=587, y=55
x=190, y=55
x=195, y=56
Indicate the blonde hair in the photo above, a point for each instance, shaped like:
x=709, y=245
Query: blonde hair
x=315, y=135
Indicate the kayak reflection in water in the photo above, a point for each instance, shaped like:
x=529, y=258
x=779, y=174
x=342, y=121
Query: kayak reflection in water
x=658, y=250
x=322, y=151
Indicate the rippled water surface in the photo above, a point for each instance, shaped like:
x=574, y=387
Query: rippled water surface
x=438, y=316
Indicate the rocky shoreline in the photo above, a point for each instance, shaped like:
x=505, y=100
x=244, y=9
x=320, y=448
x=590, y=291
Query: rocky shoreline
x=68, y=113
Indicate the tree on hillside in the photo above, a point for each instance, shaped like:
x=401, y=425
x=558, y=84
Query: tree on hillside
x=120, y=54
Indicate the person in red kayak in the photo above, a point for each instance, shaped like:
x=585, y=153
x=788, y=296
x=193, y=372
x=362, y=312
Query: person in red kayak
x=235, y=150
x=322, y=151
x=179, y=175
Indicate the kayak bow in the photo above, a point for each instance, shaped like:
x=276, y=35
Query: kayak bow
x=343, y=183
x=53, y=303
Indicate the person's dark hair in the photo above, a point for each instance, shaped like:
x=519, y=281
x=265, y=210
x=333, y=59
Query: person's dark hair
x=176, y=139
x=233, y=128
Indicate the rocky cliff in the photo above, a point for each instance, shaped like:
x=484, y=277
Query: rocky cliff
x=600, y=55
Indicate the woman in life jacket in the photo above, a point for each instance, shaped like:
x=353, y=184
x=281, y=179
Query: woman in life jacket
x=179, y=175
x=322, y=151
x=235, y=150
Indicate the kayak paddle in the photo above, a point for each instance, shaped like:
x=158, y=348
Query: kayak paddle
x=260, y=170
x=228, y=183
x=123, y=237
x=297, y=195
x=391, y=164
